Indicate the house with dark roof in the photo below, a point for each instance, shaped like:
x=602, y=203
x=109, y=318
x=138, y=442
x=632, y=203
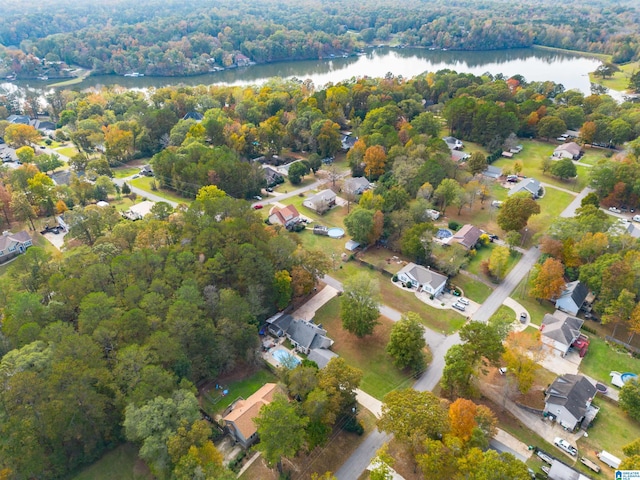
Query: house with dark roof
x=423, y=278
x=193, y=115
x=43, y=125
x=321, y=356
x=321, y=202
x=348, y=142
x=147, y=171
x=568, y=400
x=13, y=244
x=61, y=177
x=467, y=236
x=304, y=335
x=18, y=119
x=572, y=297
x=272, y=176
x=560, y=334
x=239, y=417
x=356, y=185
x=453, y=143
x=287, y=216
x=567, y=150
x=529, y=185
x=492, y=172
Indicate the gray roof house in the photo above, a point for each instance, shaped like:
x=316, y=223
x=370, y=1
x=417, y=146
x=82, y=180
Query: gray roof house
x=348, y=142
x=13, y=244
x=356, y=185
x=458, y=156
x=467, y=236
x=492, y=172
x=423, y=278
x=42, y=125
x=572, y=297
x=568, y=400
x=453, y=143
x=567, y=150
x=193, y=115
x=560, y=471
x=321, y=202
x=18, y=119
x=530, y=185
x=272, y=176
x=305, y=336
x=560, y=333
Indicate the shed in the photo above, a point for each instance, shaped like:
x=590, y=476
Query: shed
x=351, y=245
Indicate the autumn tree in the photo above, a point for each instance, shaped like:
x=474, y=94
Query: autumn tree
x=359, y=224
x=499, y=261
x=26, y=154
x=375, y=159
x=19, y=135
x=477, y=163
x=462, y=418
x=447, y=192
x=118, y=144
x=283, y=291
x=630, y=399
x=407, y=344
x=522, y=356
x=516, y=211
x=547, y=280
x=359, y=306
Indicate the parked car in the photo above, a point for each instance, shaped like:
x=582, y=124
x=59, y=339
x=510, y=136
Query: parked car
x=496, y=203
x=502, y=370
x=257, y=206
x=523, y=317
x=493, y=237
x=512, y=178
x=562, y=444
x=269, y=189
x=258, y=197
x=459, y=306
x=615, y=210
x=636, y=218
x=463, y=301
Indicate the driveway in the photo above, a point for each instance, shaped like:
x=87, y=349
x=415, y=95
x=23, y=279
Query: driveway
x=570, y=211
x=143, y=193
x=502, y=292
x=308, y=310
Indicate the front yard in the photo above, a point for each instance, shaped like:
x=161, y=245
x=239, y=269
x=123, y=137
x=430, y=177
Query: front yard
x=473, y=289
x=144, y=183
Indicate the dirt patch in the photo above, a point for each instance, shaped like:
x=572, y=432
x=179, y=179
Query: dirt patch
x=404, y=463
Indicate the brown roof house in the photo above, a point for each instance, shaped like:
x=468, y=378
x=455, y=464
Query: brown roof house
x=567, y=150
x=568, y=400
x=240, y=415
x=286, y=216
x=13, y=244
x=467, y=236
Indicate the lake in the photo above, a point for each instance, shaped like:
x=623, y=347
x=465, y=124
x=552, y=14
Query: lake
x=534, y=64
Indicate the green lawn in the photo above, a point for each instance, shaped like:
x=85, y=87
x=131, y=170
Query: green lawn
x=67, y=151
x=383, y=258
x=611, y=430
x=475, y=264
x=123, y=172
x=367, y=354
x=603, y=358
x=536, y=309
x=144, y=183
x=473, y=289
x=532, y=155
x=503, y=315
x=593, y=155
x=118, y=463
x=213, y=402
x=551, y=205
x=619, y=80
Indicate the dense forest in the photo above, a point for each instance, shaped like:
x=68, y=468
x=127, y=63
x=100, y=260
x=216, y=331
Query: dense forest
x=176, y=39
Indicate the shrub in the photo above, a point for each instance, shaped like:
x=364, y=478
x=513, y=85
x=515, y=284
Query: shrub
x=453, y=225
x=394, y=279
x=353, y=425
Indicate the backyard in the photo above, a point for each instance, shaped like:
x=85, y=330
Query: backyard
x=603, y=358
x=368, y=353
x=215, y=402
x=536, y=309
x=121, y=463
x=482, y=254
x=473, y=289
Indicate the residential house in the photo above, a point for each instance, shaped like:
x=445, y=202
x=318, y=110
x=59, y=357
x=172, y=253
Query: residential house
x=242, y=60
x=321, y=202
x=356, y=185
x=458, y=157
x=304, y=335
x=321, y=356
x=43, y=126
x=572, y=297
x=623, y=227
x=568, y=400
x=467, y=236
x=61, y=177
x=453, y=143
x=272, y=176
x=287, y=216
x=568, y=150
x=348, y=142
x=18, y=119
x=530, y=185
x=239, y=417
x=193, y=115
x=560, y=334
x=13, y=244
x=139, y=210
x=492, y=172
x=422, y=278
x=147, y=171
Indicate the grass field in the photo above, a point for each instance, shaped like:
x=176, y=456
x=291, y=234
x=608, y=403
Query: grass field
x=119, y=463
x=603, y=358
x=611, y=430
x=213, y=402
x=475, y=265
x=619, y=80
x=144, y=183
x=382, y=258
x=368, y=354
x=473, y=289
x=536, y=309
x=123, y=172
x=551, y=205
x=504, y=314
x=67, y=151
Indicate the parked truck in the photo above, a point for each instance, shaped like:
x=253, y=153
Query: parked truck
x=608, y=459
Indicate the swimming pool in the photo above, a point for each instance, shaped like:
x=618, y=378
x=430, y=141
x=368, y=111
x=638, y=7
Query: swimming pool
x=285, y=357
x=444, y=233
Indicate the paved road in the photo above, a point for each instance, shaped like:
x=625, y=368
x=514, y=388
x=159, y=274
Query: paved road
x=143, y=193
x=570, y=211
x=523, y=267
x=361, y=457
x=278, y=196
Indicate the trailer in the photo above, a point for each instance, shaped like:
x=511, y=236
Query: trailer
x=589, y=464
x=608, y=459
x=544, y=456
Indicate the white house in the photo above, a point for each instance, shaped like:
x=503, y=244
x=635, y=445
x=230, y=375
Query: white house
x=572, y=297
x=13, y=244
x=568, y=400
x=559, y=333
x=321, y=202
x=423, y=278
x=139, y=210
x=567, y=150
x=286, y=216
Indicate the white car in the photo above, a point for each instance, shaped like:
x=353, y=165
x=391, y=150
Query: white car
x=459, y=306
x=615, y=210
x=636, y=218
x=463, y=301
x=562, y=444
